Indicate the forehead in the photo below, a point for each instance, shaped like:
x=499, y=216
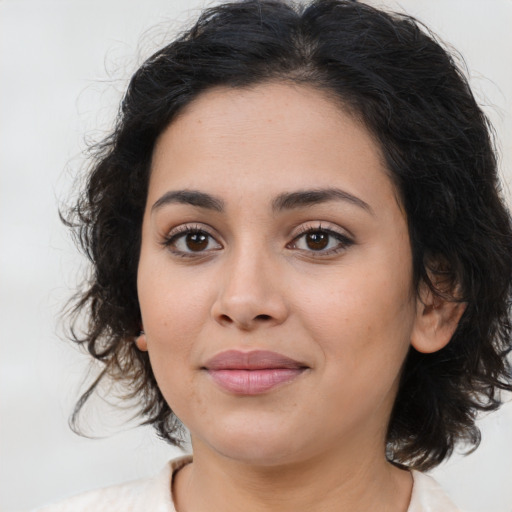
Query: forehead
x=267, y=139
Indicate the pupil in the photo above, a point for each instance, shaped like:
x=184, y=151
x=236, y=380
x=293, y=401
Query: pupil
x=317, y=241
x=197, y=241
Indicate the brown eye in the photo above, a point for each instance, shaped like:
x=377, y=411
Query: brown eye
x=189, y=241
x=317, y=240
x=323, y=241
x=197, y=241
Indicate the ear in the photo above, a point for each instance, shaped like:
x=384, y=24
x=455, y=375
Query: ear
x=436, y=321
x=141, y=342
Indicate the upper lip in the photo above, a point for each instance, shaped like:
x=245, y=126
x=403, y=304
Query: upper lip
x=252, y=360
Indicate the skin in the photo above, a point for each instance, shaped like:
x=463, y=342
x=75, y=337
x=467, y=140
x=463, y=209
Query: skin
x=349, y=311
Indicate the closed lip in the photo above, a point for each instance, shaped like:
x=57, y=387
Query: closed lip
x=252, y=373
x=252, y=360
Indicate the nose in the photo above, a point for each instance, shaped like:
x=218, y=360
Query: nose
x=250, y=294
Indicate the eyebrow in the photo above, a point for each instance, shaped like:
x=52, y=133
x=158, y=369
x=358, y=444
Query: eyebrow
x=284, y=201
x=191, y=197
x=305, y=198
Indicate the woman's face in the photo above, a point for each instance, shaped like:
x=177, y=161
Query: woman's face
x=275, y=276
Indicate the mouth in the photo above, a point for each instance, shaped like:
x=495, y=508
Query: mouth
x=252, y=373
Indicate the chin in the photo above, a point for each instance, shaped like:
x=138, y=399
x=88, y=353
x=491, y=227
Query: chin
x=260, y=454
x=257, y=444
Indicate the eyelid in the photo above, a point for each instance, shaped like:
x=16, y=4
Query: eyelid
x=344, y=239
x=319, y=225
x=181, y=231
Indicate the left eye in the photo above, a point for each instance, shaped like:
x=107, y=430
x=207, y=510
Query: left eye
x=320, y=240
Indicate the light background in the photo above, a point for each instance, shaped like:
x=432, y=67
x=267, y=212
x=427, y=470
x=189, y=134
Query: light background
x=63, y=65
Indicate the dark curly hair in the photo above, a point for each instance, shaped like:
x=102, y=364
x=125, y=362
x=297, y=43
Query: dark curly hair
x=390, y=73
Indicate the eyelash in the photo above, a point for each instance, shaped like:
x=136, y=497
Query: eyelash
x=184, y=230
x=344, y=240
x=181, y=232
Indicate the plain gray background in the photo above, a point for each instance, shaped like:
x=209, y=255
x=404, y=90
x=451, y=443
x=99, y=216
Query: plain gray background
x=63, y=67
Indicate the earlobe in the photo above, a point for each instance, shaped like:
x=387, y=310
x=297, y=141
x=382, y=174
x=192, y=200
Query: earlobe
x=141, y=342
x=436, y=321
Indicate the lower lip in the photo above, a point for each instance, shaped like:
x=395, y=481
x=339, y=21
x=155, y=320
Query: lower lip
x=253, y=382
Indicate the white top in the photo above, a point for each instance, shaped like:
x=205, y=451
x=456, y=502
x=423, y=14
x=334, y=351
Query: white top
x=154, y=494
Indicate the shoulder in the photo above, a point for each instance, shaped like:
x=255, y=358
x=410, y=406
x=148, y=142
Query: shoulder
x=429, y=496
x=126, y=497
x=138, y=496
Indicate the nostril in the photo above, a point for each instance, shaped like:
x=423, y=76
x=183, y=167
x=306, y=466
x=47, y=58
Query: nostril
x=263, y=317
x=225, y=319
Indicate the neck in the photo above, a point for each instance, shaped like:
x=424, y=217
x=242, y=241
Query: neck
x=355, y=482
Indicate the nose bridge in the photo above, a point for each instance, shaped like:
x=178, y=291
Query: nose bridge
x=249, y=293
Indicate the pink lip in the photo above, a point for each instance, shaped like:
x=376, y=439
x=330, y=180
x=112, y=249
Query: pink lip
x=252, y=373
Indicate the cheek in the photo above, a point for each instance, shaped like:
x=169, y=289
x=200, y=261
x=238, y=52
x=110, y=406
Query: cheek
x=362, y=322
x=174, y=303
x=174, y=310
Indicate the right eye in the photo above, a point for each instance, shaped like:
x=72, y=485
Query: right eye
x=187, y=241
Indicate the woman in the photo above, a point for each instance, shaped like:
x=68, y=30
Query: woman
x=300, y=254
